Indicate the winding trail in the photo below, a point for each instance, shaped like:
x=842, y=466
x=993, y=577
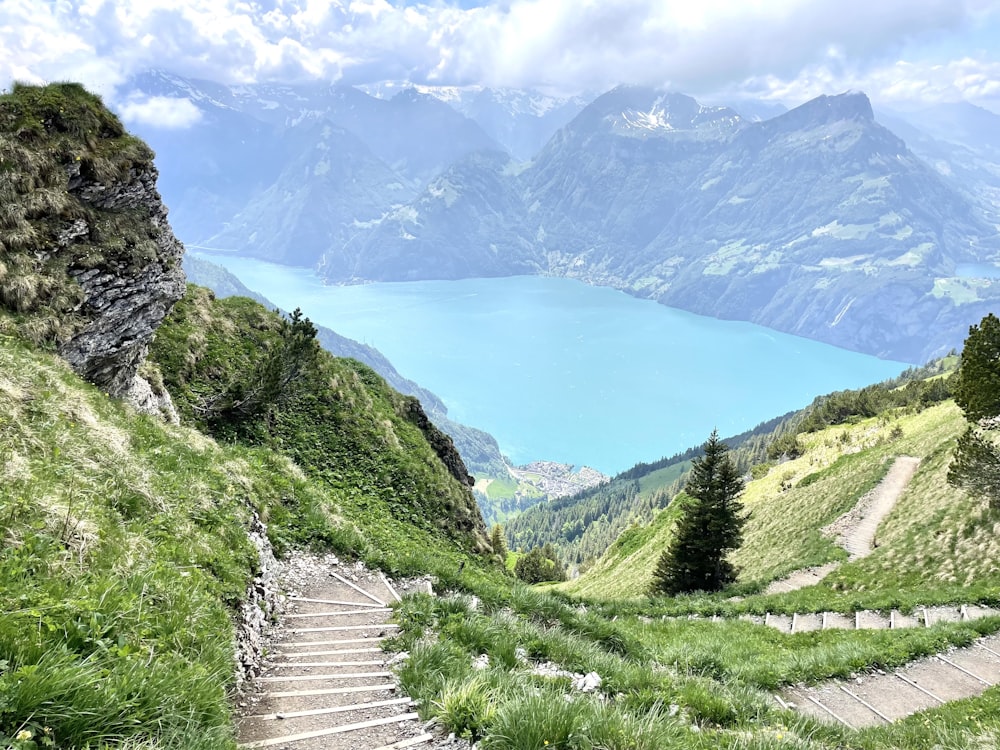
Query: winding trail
x=857, y=528
x=327, y=685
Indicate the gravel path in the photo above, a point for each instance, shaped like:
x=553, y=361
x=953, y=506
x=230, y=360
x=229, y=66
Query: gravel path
x=855, y=530
x=327, y=684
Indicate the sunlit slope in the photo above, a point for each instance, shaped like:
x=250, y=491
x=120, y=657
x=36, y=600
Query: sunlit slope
x=125, y=548
x=936, y=535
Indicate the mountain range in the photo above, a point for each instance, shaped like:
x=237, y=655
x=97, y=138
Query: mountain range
x=819, y=221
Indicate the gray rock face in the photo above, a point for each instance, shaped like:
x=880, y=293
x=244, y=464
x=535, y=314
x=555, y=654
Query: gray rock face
x=124, y=300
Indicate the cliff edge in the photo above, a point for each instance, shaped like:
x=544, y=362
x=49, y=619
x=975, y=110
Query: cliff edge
x=88, y=262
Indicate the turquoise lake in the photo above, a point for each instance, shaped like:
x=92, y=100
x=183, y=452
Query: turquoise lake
x=562, y=371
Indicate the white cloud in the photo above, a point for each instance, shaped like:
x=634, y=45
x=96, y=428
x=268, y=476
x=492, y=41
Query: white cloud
x=161, y=112
x=779, y=47
x=971, y=79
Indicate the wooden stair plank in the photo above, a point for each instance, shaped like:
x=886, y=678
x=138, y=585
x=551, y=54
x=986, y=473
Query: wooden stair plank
x=315, y=664
x=331, y=652
x=358, y=588
x=412, y=742
x=388, y=585
x=330, y=710
x=331, y=691
x=335, y=601
x=343, y=642
x=330, y=730
x=316, y=677
x=340, y=613
x=341, y=628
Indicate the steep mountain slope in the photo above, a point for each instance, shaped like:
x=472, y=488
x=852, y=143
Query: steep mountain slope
x=464, y=224
x=959, y=141
x=821, y=221
x=132, y=547
x=479, y=450
x=818, y=222
x=330, y=187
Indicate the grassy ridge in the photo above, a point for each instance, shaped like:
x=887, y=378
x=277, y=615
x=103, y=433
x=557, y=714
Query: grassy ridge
x=125, y=543
x=935, y=535
x=338, y=420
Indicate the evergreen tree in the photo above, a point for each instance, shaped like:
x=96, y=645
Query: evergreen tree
x=711, y=526
x=541, y=564
x=977, y=387
x=497, y=542
x=976, y=463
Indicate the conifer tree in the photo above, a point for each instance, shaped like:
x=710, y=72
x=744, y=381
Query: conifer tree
x=497, y=542
x=976, y=463
x=711, y=526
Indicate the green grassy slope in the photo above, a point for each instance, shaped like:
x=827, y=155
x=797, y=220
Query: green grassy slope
x=936, y=536
x=125, y=548
x=370, y=447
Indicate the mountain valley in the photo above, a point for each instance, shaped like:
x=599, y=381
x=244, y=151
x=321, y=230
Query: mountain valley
x=818, y=221
x=164, y=448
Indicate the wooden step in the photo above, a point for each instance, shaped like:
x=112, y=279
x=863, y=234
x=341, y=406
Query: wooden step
x=307, y=600
x=942, y=680
x=412, y=742
x=340, y=613
x=330, y=652
x=845, y=706
x=357, y=588
x=330, y=710
x=315, y=664
x=329, y=731
x=378, y=688
x=316, y=677
x=343, y=642
x=836, y=621
x=342, y=628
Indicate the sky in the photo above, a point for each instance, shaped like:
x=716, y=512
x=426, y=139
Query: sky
x=901, y=52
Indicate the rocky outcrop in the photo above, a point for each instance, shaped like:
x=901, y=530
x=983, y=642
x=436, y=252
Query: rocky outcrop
x=124, y=304
x=439, y=441
x=92, y=265
x=258, y=609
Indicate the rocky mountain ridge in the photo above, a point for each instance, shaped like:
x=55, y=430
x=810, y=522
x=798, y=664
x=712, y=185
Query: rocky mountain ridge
x=818, y=221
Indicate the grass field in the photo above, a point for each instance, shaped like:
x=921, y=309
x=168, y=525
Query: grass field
x=794, y=500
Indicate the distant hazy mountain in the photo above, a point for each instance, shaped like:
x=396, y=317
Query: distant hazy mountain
x=330, y=188
x=961, y=142
x=521, y=121
x=467, y=222
x=818, y=222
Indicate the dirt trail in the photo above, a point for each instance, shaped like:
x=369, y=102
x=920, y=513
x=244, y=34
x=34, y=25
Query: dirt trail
x=328, y=684
x=855, y=530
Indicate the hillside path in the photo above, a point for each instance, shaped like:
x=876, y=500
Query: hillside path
x=883, y=697
x=327, y=684
x=856, y=529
